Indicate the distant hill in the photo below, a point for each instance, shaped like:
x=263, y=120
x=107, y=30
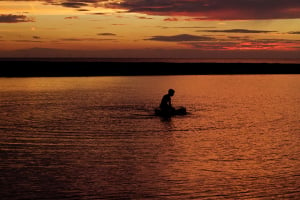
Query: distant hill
x=48, y=68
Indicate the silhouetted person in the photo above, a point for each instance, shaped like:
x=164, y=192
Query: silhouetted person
x=166, y=104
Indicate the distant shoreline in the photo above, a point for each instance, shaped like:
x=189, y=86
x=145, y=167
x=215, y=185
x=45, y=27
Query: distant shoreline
x=56, y=68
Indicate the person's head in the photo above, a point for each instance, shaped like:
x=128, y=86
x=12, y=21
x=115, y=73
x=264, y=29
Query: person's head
x=171, y=92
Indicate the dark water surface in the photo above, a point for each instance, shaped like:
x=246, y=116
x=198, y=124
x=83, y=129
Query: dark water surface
x=97, y=138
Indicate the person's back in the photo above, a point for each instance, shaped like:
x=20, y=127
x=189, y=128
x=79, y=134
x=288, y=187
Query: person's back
x=166, y=104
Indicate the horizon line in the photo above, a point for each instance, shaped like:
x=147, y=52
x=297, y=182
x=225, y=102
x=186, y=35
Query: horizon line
x=156, y=60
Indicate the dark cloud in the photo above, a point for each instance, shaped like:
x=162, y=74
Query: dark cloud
x=237, y=31
x=216, y=9
x=145, y=18
x=198, y=9
x=294, y=32
x=36, y=37
x=14, y=18
x=171, y=19
x=98, y=13
x=106, y=34
x=83, y=10
x=73, y=4
x=72, y=17
x=180, y=38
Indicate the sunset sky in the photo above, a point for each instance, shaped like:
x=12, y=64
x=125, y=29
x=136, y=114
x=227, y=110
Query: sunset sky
x=150, y=28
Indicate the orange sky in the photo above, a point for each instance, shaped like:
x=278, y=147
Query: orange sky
x=141, y=28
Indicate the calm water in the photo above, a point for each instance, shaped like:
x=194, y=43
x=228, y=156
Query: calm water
x=97, y=138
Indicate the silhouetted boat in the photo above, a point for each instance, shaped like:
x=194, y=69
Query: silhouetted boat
x=178, y=111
